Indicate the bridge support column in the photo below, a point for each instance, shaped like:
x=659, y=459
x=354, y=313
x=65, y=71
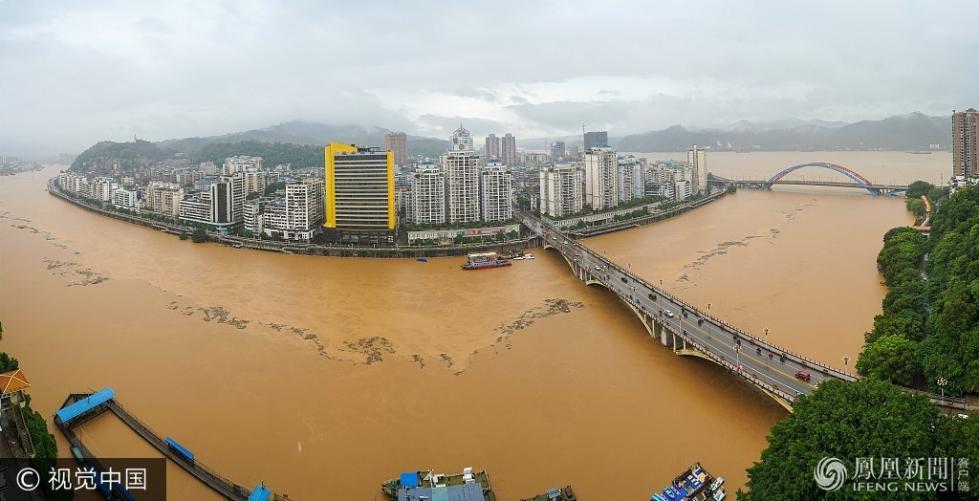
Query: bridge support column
x=661, y=333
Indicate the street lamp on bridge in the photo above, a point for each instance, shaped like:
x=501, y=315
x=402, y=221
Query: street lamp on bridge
x=737, y=355
x=846, y=360
x=941, y=384
x=766, y=336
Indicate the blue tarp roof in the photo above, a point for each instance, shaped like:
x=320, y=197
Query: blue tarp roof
x=185, y=452
x=409, y=479
x=465, y=492
x=260, y=493
x=84, y=405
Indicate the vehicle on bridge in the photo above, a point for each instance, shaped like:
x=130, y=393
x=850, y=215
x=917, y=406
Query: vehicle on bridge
x=803, y=376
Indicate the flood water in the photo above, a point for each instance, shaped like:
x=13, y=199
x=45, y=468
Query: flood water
x=325, y=376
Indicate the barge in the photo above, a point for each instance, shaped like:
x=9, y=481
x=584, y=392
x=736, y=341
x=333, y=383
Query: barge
x=555, y=494
x=428, y=485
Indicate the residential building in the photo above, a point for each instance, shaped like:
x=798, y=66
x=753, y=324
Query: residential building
x=561, y=190
x=101, y=188
x=596, y=139
x=535, y=161
x=126, y=199
x=682, y=189
x=461, y=140
x=601, y=179
x=397, y=143
x=241, y=164
x=208, y=168
x=508, y=150
x=255, y=181
x=496, y=189
x=558, y=152
x=630, y=178
x=697, y=159
x=965, y=143
x=252, y=215
x=461, y=168
x=491, y=147
x=428, y=196
x=220, y=204
x=298, y=215
x=163, y=198
x=359, y=193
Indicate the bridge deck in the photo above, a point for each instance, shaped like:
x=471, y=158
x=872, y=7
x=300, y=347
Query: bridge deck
x=767, y=366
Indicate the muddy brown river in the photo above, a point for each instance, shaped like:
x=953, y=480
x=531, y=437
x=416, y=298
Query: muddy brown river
x=323, y=377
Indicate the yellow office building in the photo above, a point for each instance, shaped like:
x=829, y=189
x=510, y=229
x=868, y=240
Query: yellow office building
x=359, y=193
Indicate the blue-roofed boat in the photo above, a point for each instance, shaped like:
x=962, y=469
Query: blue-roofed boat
x=694, y=483
x=555, y=494
x=431, y=486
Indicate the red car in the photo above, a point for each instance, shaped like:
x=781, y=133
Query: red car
x=803, y=375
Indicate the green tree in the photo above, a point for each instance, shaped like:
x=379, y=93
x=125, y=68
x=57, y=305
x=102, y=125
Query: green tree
x=916, y=207
x=918, y=188
x=890, y=358
x=866, y=418
x=199, y=235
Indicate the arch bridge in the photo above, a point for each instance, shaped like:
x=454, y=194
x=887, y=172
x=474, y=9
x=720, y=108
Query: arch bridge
x=857, y=180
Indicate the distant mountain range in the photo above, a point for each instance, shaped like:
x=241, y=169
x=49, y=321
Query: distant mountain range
x=309, y=133
x=914, y=131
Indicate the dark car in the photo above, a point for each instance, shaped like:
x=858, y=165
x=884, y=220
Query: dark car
x=803, y=375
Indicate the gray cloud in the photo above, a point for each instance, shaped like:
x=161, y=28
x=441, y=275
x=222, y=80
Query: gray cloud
x=75, y=73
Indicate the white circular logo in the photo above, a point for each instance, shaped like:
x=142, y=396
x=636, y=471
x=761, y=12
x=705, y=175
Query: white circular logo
x=830, y=473
x=24, y=480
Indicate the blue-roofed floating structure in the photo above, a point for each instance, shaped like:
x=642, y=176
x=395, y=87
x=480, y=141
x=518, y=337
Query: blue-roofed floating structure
x=410, y=479
x=260, y=493
x=81, y=406
x=179, y=449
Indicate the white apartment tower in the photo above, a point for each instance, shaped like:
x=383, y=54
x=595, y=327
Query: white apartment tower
x=697, y=159
x=630, y=180
x=497, y=193
x=461, y=168
x=428, y=196
x=601, y=179
x=561, y=192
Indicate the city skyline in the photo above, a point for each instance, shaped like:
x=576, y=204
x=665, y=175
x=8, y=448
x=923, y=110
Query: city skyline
x=169, y=71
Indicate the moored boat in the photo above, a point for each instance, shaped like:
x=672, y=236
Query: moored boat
x=555, y=494
x=484, y=260
x=693, y=483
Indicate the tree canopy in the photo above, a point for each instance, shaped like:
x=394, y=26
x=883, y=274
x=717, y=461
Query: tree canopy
x=866, y=418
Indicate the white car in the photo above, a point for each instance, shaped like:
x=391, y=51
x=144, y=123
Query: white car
x=669, y=314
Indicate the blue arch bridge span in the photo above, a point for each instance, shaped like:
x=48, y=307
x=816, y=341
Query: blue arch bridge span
x=779, y=373
x=856, y=180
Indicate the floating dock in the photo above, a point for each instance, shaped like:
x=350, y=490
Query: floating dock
x=80, y=408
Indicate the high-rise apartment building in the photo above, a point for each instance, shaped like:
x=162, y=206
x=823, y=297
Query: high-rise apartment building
x=359, y=193
x=496, y=192
x=561, y=190
x=630, y=178
x=697, y=159
x=461, y=168
x=508, y=150
x=255, y=181
x=428, y=195
x=596, y=139
x=397, y=143
x=601, y=179
x=492, y=147
x=965, y=143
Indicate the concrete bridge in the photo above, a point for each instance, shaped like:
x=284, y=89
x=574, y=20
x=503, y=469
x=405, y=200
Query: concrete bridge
x=856, y=180
x=691, y=332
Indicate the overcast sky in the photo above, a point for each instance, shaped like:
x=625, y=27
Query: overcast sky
x=73, y=73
